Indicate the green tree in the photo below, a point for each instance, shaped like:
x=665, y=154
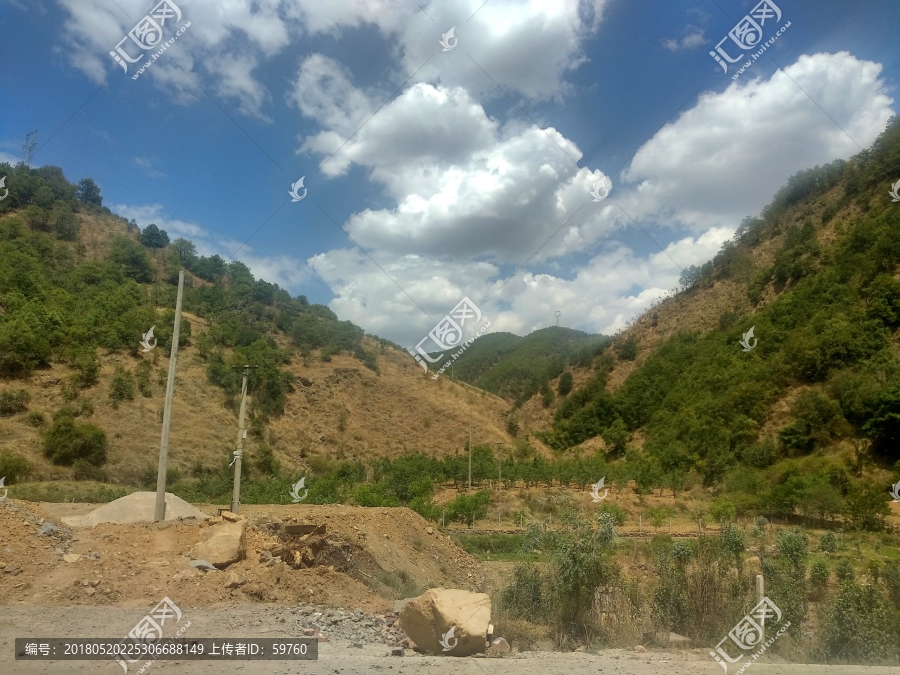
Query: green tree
x=153, y=237
x=469, y=508
x=88, y=192
x=616, y=436
x=565, y=384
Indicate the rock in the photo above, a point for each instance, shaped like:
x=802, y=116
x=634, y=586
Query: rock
x=204, y=565
x=400, y=604
x=95, y=555
x=459, y=618
x=321, y=638
x=48, y=528
x=358, y=645
x=215, y=520
x=429, y=530
x=234, y=580
x=640, y=648
x=580, y=649
x=187, y=574
x=85, y=582
x=309, y=631
x=396, y=651
x=71, y=557
x=500, y=646
x=224, y=544
x=89, y=591
x=230, y=517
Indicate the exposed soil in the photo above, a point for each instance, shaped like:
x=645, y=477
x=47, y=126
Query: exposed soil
x=367, y=550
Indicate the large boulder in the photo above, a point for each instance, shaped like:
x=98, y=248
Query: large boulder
x=448, y=621
x=223, y=544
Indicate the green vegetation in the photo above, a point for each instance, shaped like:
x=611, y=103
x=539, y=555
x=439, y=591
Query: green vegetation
x=66, y=441
x=516, y=367
x=700, y=401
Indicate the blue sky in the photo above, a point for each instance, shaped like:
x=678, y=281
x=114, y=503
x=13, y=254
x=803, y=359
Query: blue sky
x=449, y=168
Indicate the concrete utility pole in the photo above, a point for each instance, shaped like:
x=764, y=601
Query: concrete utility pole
x=239, y=452
x=470, y=457
x=760, y=594
x=159, y=512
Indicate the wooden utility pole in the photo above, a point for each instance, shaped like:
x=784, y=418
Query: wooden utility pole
x=470, y=457
x=239, y=451
x=159, y=512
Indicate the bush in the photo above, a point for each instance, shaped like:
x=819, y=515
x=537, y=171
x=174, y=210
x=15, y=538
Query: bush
x=13, y=401
x=828, y=542
x=858, y=625
x=627, y=350
x=122, y=386
x=65, y=442
x=792, y=545
x=819, y=572
x=616, y=512
x=374, y=495
x=426, y=508
x=13, y=466
x=142, y=375
x=36, y=418
x=88, y=368
x=722, y=511
x=565, y=384
x=525, y=596
x=265, y=461
x=844, y=571
x=469, y=508
x=616, y=436
x=83, y=470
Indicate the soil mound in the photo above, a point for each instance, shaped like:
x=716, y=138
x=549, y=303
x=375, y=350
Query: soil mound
x=135, y=508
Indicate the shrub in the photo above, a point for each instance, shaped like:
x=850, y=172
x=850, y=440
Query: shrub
x=13, y=401
x=122, y=385
x=65, y=442
x=374, y=495
x=828, y=542
x=722, y=511
x=83, y=470
x=36, y=418
x=565, y=384
x=615, y=511
x=616, y=436
x=265, y=461
x=819, y=572
x=858, y=625
x=426, y=508
x=469, y=508
x=627, y=350
x=13, y=466
x=844, y=571
x=792, y=545
x=88, y=368
x=525, y=596
x=142, y=375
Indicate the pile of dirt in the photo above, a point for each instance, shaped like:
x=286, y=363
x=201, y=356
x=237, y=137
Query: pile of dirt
x=136, y=508
x=365, y=558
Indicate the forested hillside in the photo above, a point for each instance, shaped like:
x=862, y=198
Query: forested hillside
x=79, y=286
x=516, y=367
x=823, y=378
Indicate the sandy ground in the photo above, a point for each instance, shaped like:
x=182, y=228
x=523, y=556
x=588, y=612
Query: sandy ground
x=242, y=620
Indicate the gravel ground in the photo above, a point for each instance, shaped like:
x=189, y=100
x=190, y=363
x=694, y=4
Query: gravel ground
x=338, y=656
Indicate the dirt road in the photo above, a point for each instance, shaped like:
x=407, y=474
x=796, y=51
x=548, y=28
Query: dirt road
x=336, y=657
